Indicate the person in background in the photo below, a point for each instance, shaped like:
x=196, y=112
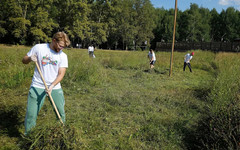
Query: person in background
x=187, y=59
x=91, y=51
x=152, y=58
x=53, y=63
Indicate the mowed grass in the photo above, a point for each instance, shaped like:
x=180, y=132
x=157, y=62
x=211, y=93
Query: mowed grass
x=114, y=101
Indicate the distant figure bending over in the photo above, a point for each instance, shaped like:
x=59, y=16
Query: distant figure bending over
x=187, y=59
x=91, y=51
x=152, y=58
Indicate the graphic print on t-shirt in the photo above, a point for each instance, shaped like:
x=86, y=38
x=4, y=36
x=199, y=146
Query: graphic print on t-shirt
x=48, y=60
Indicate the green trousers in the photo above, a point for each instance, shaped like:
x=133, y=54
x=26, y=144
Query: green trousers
x=36, y=97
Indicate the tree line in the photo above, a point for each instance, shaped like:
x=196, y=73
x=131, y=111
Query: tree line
x=198, y=25
x=112, y=24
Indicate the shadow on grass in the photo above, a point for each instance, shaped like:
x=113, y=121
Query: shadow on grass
x=10, y=121
x=214, y=131
x=202, y=93
x=196, y=137
x=155, y=71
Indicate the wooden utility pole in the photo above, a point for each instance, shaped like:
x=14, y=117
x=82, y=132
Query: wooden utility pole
x=174, y=30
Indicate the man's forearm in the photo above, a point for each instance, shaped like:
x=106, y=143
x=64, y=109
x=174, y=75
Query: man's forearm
x=60, y=76
x=57, y=80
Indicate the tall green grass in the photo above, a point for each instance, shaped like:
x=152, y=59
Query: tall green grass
x=116, y=102
x=219, y=128
x=225, y=89
x=12, y=72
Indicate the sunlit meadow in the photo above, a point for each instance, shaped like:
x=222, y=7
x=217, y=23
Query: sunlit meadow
x=116, y=102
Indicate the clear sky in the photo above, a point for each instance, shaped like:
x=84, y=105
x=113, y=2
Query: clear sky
x=219, y=5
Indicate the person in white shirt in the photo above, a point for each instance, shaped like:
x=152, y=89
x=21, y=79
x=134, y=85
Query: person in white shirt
x=187, y=59
x=91, y=51
x=53, y=63
x=152, y=58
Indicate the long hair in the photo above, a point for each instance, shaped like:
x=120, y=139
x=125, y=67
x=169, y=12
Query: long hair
x=61, y=36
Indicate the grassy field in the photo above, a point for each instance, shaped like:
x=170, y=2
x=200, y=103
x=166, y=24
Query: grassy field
x=115, y=102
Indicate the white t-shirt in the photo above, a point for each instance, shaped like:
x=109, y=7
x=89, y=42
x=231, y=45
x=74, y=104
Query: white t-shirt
x=152, y=55
x=90, y=49
x=49, y=62
x=188, y=57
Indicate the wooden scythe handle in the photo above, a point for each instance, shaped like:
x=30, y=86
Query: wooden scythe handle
x=50, y=96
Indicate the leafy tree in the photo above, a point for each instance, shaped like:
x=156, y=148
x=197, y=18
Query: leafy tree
x=215, y=26
x=72, y=17
x=144, y=22
x=183, y=26
x=126, y=23
x=112, y=23
x=204, y=25
x=168, y=24
x=42, y=23
x=229, y=24
x=3, y=17
x=158, y=30
x=197, y=22
x=165, y=24
x=3, y=31
x=14, y=18
x=102, y=20
x=113, y=35
x=98, y=32
x=193, y=33
x=105, y=17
